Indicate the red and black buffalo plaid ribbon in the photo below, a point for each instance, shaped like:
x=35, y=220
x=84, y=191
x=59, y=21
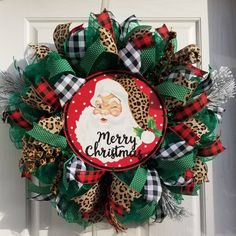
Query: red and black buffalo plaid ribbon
x=163, y=32
x=105, y=21
x=144, y=41
x=89, y=176
x=17, y=117
x=185, y=133
x=117, y=208
x=77, y=28
x=188, y=189
x=191, y=108
x=211, y=150
x=196, y=71
x=47, y=94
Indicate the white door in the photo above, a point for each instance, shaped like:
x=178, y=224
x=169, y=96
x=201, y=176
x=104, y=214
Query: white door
x=27, y=21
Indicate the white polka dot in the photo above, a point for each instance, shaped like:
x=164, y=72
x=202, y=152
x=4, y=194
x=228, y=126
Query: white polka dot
x=156, y=142
x=161, y=107
x=84, y=103
x=119, y=165
x=90, y=91
x=141, y=87
x=72, y=141
x=130, y=160
x=145, y=146
x=95, y=80
x=71, y=127
x=151, y=91
x=79, y=93
x=80, y=150
x=152, y=102
x=67, y=117
x=76, y=110
x=104, y=75
x=155, y=115
x=161, y=125
x=73, y=101
x=91, y=160
x=105, y=164
x=146, y=155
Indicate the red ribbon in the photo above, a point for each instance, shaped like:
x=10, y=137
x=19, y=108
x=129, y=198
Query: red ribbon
x=163, y=31
x=211, y=150
x=89, y=176
x=188, y=189
x=191, y=108
x=47, y=94
x=196, y=71
x=17, y=117
x=185, y=133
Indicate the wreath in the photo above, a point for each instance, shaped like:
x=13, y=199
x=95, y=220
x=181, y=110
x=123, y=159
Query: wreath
x=115, y=124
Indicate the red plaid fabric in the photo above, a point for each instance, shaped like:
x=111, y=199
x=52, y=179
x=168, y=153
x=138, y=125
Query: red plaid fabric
x=17, y=117
x=196, y=71
x=105, y=21
x=211, y=150
x=185, y=133
x=46, y=93
x=89, y=176
x=117, y=208
x=188, y=189
x=77, y=28
x=163, y=31
x=192, y=108
x=144, y=41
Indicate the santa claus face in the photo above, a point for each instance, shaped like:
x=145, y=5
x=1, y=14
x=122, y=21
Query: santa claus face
x=106, y=106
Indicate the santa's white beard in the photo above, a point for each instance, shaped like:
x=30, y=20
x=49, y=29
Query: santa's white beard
x=88, y=126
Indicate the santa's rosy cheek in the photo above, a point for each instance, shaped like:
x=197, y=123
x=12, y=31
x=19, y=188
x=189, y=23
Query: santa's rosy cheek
x=115, y=111
x=96, y=111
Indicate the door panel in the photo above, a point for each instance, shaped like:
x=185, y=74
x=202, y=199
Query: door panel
x=34, y=22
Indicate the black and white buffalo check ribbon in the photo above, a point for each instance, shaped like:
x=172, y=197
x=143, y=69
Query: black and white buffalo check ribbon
x=75, y=46
x=179, y=182
x=173, y=151
x=186, y=73
x=73, y=166
x=42, y=197
x=152, y=187
x=125, y=27
x=218, y=110
x=131, y=57
x=58, y=204
x=67, y=86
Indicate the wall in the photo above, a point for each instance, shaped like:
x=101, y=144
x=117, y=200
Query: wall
x=222, y=31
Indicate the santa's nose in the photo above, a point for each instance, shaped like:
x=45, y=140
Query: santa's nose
x=104, y=112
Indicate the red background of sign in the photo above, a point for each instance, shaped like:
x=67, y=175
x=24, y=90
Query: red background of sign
x=82, y=99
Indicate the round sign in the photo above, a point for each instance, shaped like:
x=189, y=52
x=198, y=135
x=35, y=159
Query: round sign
x=115, y=121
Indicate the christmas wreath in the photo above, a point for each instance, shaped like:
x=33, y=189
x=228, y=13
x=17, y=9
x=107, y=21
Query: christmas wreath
x=115, y=124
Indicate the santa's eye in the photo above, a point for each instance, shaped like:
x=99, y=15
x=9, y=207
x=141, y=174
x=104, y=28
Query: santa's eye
x=98, y=104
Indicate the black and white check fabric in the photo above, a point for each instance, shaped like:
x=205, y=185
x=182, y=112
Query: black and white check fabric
x=160, y=215
x=131, y=57
x=126, y=26
x=58, y=204
x=73, y=166
x=76, y=46
x=42, y=197
x=173, y=151
x=67, y=86
x=186, y=73
x=152, y=187
x=179, y=182
x=218, y=110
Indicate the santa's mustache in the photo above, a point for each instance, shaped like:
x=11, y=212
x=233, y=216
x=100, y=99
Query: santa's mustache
x=107, y=119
